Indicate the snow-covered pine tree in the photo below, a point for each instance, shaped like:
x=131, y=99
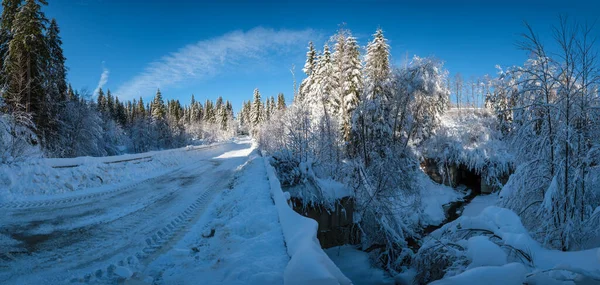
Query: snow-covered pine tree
x=281, y=102
x=25, y=66
x=209, y=112
x=373, y=119
x=272, y=107
x=352, y=85
x=10, y=8
x=109, y=107
x=158, y=107
x=309, y=68
x=57, y=79
x=322, y=101
x=257, y=111
x=267, y=109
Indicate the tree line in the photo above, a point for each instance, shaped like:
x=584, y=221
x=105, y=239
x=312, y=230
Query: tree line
x=41, y=112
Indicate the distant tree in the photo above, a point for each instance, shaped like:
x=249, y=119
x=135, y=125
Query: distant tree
x=158, y=107
x=257, y=110
x=281, y=102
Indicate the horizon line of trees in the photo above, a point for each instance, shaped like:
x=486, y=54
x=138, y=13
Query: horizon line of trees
x=41, y=114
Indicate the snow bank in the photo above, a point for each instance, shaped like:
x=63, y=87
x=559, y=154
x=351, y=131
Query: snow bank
x=482, y=252
x=510, y=274
x=36, y=178
x=308, y=264
x=355, y=264
x=433, y=198
x=479, y=203
x=472, y=246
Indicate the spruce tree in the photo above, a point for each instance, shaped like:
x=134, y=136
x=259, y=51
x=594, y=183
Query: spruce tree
x=375, y=118
x=377, y=68
x=25, y=67
x=10, y=8
x=158, y=107
x=140, y=108
x=267, y=109
x=309, y=68
x=109, y=107
x=219, y=103
x=257, y=110
x=101, y=100
x=209, y=112
x=280, y=102
x=70, y=94
x=352, y=85
x=273, y=107
x=57, y=77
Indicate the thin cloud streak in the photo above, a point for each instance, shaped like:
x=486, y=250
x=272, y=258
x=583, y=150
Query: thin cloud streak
x=103, y=80
x=208, y=57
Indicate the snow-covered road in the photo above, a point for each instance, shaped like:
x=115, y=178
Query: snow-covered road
x=101, y=234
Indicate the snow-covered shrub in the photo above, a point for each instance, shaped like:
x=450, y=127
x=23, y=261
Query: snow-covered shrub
x=17, y=142
x=288, y=168
x=437, y=258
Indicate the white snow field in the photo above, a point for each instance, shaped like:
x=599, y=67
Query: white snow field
x=143, y=222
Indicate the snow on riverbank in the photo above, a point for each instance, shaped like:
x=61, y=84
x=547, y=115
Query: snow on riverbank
x=479, y=203
x=41, y=178
x=494, y=248
x=308, y=264
x=355, y=264
x=433, y=197
x=239, y=240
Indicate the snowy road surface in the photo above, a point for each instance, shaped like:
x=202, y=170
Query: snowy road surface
x=99, y=236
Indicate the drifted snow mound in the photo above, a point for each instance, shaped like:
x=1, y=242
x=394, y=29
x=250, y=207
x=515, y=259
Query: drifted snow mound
x=308, y=262
x=495, y=247
x=513, y=273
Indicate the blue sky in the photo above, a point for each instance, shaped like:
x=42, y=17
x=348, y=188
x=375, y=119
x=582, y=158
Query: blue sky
x=228, y=48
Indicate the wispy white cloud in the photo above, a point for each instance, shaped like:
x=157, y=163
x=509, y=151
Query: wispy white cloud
x=208, y=57
x=103, y=79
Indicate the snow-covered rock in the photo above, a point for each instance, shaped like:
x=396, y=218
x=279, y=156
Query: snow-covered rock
x=482, y=252
x=510, y=274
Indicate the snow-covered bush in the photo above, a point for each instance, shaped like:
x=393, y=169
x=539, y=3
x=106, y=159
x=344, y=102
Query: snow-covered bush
x=496, y=238
x=17, y=142
x=288, y=168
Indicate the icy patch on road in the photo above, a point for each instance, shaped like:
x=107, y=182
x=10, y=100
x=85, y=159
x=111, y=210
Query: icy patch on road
x=239, y=240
